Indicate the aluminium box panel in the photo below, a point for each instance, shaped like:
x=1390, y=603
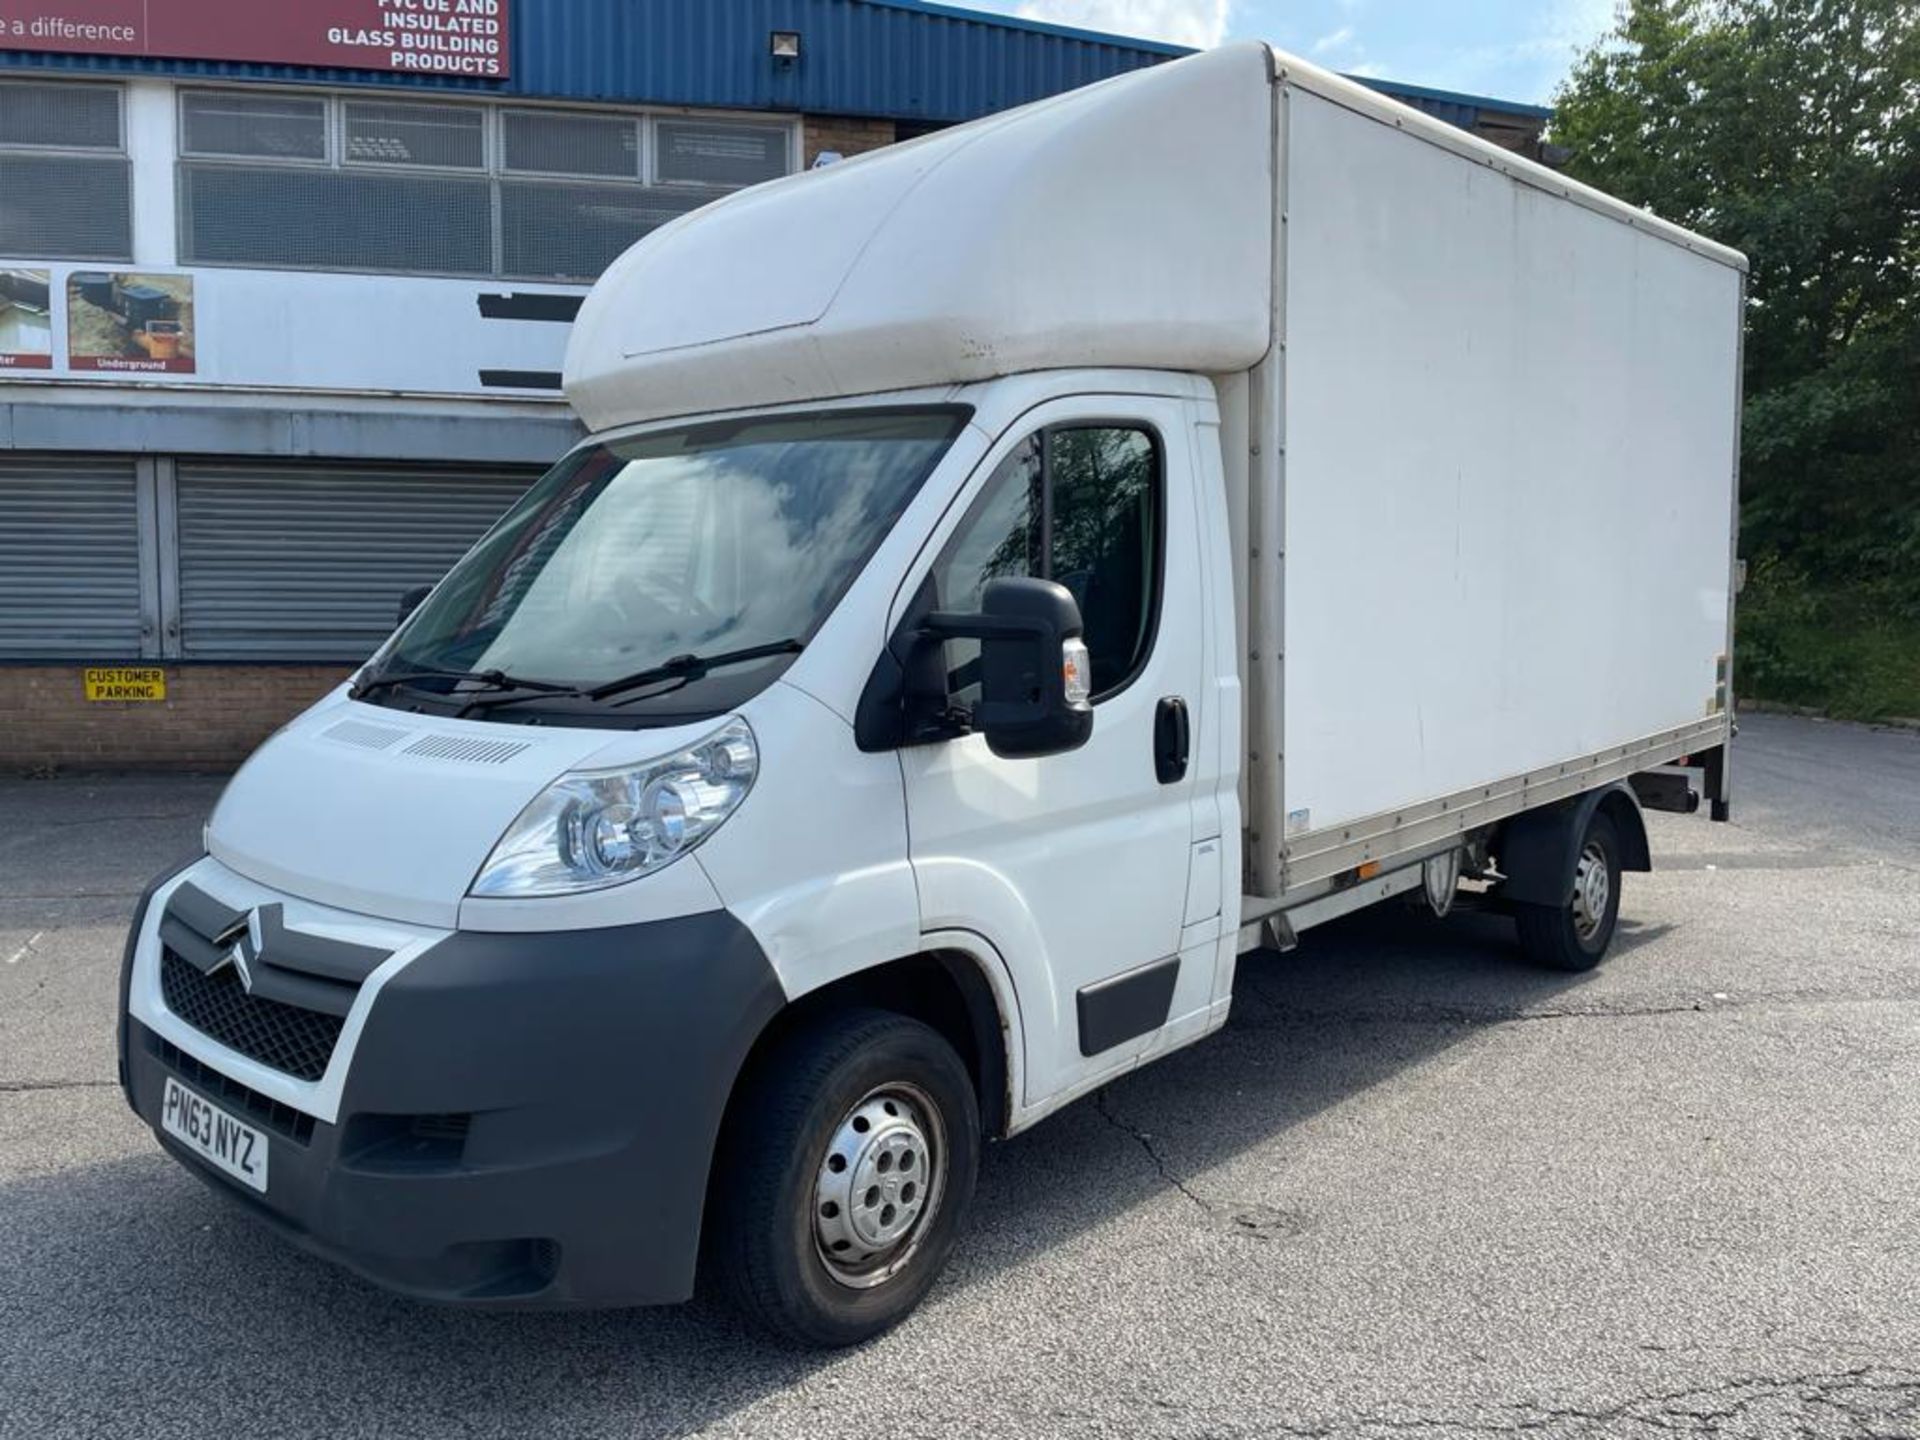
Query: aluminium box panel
x=1509, y=460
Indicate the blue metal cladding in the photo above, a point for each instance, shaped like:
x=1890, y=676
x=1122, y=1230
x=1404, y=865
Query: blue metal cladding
x=887, y=58
x=1452, y=106
x=899, y=59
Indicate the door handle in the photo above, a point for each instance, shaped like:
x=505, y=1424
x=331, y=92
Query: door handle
x=1171, y=738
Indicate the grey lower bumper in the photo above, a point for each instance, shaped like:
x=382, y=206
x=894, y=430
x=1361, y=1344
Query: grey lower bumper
x=528, y=1119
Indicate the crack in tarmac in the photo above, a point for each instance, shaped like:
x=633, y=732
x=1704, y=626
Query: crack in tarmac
x=1145, y=1141
x=1858, y=1395
x=1871, y=1402
x=1864, y=1399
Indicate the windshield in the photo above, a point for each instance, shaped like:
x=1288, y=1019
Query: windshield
x=676, y=545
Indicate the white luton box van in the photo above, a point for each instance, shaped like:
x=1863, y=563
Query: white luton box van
x=1010, y=576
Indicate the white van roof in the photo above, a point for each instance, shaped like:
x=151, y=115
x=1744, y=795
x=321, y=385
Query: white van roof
x=1124, y=224
x=1128, y=224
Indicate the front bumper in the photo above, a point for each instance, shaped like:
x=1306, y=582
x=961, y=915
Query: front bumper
x=521, y=1119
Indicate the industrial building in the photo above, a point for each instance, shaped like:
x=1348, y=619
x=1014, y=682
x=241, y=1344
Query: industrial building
x=284, y=298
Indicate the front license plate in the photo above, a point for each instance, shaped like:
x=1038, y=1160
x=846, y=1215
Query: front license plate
x=214, y=1135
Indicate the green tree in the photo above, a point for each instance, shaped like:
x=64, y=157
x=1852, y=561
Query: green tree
x=1790, y=129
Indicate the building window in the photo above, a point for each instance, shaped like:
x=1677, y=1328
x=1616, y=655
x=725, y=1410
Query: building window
x=443, y=137
x=728, y=155
x=64, y=176
x=245, y=127
x=573, y=195
x=442, y=188
x=565, y=142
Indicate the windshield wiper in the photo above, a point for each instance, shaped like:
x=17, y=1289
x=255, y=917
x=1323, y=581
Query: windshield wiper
x=675, y=667
x=491, y=679
x=690, y=665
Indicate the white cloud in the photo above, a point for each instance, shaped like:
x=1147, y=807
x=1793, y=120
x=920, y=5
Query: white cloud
x=1199, y=23
x=1341, y=39
x=1576, y=24
x=1528, y=66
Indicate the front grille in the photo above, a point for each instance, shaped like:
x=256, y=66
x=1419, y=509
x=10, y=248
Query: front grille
x=285, y=1037
x=280, y=1118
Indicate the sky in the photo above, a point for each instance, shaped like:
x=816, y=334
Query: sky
x=1509, y=49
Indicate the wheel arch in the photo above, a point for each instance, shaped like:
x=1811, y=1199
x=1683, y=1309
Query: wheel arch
x=946, y=986
x=1537, y=849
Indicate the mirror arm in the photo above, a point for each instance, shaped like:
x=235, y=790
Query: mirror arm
x=946, y=625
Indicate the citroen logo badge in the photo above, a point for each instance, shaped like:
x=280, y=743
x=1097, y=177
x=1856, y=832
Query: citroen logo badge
x=237, y=957
x=244, y=950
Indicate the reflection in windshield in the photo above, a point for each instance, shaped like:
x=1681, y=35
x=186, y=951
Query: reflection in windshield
x=704, y=539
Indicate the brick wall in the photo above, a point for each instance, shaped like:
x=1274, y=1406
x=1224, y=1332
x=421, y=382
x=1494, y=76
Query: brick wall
x=213, y=716
x=846, y=136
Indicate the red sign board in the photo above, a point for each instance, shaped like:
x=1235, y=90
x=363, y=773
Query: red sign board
x=435, y=37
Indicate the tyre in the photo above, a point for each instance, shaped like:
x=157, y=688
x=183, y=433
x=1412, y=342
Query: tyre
x=1574, y=935
x=845, y=1175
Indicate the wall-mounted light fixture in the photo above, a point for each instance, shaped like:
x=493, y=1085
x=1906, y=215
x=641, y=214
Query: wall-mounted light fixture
x=784, y=46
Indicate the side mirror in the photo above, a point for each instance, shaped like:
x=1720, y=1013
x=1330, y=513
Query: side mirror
x=410, y=601
x=1034, y=671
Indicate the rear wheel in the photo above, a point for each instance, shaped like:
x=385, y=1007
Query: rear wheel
x=845, y=1176
x=1574, y=934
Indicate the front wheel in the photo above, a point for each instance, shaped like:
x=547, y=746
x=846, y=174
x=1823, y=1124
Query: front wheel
x=1574, y=934
x=845, y=1176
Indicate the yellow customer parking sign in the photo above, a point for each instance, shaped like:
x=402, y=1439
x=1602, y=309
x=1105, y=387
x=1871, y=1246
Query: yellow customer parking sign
x=126, y=683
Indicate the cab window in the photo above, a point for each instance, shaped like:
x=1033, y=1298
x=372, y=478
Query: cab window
x=1080, y=505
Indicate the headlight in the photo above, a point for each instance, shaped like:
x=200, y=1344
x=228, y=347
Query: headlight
x=595, y=828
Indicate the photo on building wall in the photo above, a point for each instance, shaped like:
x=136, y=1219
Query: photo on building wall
x=26, y=320
x=130, y=322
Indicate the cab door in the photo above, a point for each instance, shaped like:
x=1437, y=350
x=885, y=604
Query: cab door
x=1075, y=866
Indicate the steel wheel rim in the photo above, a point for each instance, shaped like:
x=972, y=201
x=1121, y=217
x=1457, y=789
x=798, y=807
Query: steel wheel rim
x=1592, y=891
x=879, y=1185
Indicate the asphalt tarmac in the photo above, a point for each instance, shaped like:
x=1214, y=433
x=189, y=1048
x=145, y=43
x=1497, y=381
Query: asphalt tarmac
x=1414, y=1188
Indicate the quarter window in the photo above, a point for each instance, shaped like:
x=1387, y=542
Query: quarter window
x=1080, y=505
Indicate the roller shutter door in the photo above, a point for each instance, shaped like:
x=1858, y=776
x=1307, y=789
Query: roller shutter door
x=69, y=558
x=308, y=563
